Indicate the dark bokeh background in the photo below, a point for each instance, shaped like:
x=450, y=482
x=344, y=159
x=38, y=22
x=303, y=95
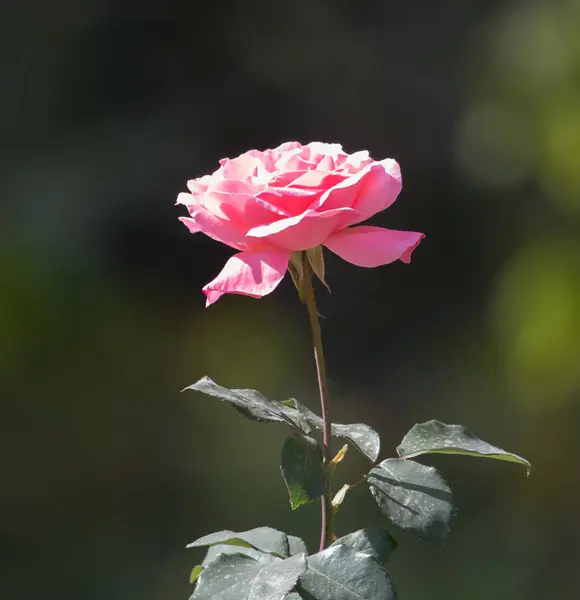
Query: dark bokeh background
x=108, y=107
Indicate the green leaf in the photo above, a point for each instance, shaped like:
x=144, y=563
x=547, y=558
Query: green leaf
x=380, y=544
x=213, y=553
x=251, y=404
x=296, y=545
x=257, y=407
x=363, y=437
x=240, y=577
x=263, y=539
x=439, y=438
x=412, y=496
x=342, y=573
x=302, y=470
x=195, y=573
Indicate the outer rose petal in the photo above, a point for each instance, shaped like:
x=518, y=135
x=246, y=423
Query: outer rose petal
x=220, y=232
x=368, y=246
x=305, y=231
x=369, y=191
x=382, y=191
x=254, y=274
x=217, y=229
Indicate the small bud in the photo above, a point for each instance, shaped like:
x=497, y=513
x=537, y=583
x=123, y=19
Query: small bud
x=339, y=496
x=338, y=458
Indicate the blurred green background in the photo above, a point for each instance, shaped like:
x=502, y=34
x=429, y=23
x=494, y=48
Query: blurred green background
x=108, y=107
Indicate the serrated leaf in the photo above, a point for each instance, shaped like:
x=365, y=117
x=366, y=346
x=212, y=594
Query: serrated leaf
x=301, y=466
x=342, y=573
x=240, y=577
x=263, y=539
x=214, y=551
x=363, y=437
x=251, y=404
x=296, y=545
x=412, y=496
x=380, y=544
x=257, y=407
x=437, y=437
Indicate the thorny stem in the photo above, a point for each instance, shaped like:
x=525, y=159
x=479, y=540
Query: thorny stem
x=326, y=535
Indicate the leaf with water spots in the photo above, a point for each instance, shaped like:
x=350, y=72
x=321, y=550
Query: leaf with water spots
x=263, y=539
x=252, y=404
x=342, y=573
x=302, y=470
x=412, y=496
x=301, y=419
x=228, y=542
x=380, y=544
x=434, y=437
x=363, y=437
x=241, y=577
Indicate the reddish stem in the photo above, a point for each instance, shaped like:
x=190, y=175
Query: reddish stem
x=326, y=535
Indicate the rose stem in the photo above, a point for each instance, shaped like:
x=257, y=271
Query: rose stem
x=326, y=534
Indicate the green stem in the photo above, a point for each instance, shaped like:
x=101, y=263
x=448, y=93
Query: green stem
x=326, y=534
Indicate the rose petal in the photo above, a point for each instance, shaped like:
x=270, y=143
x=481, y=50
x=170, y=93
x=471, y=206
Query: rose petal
x=383, y=189
x=368, y=246
x=320, y=150
x=357, y=161
x=245, y=209
x=219, y=234
x=199, y=185
x=370, y=191
x=212, y=296
x=292, y=161
x=305, y=231
x=319, y=179
x=288, y=199
x=287, y=146
x=221, y=230
x=252, y=274
x=241, y=168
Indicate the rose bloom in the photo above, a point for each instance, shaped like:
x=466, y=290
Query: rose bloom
x=270, y=204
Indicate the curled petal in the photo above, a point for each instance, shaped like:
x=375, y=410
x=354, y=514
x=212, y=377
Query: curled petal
x=254, y=274
x=321, y=150
x=287, y=147
x=304, y=231
x=382, y=190
x=368, y=246
x=197, y=186
x=370, y=191
x=221, y=230
x=241, y=168
x=212, y=296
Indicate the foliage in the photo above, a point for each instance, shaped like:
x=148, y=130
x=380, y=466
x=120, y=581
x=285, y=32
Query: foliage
x=266, y=564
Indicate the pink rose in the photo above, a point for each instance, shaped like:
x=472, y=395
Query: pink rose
x=269, y=204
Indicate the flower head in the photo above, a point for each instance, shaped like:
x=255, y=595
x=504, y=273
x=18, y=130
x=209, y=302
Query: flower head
x=294, y=198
